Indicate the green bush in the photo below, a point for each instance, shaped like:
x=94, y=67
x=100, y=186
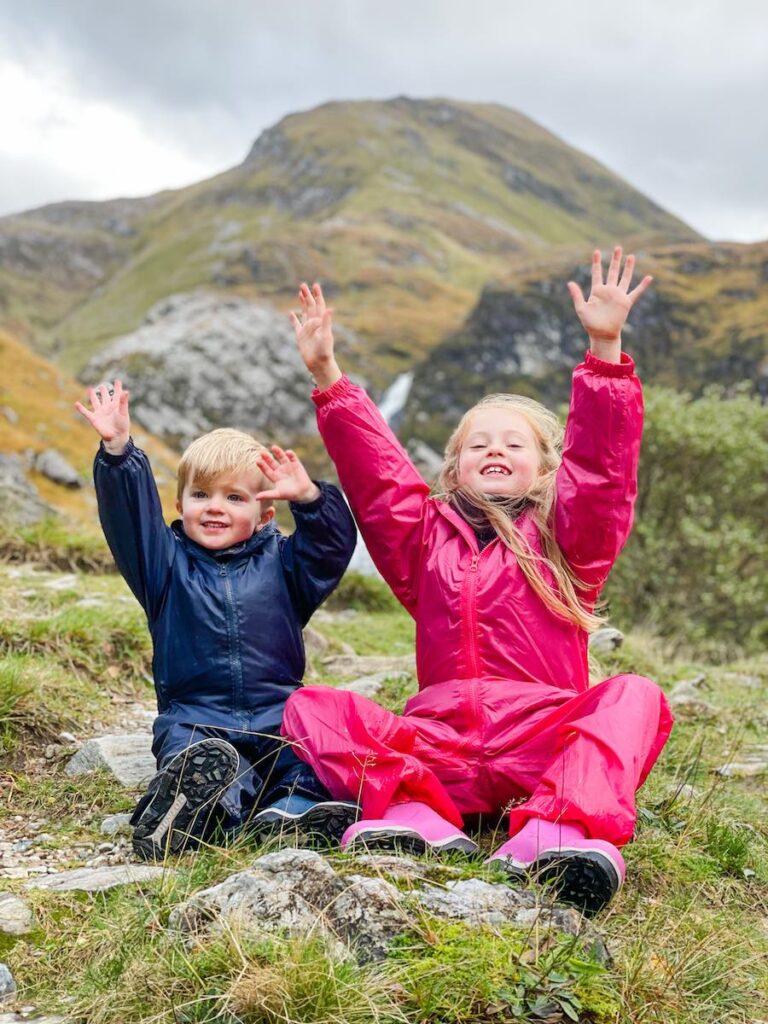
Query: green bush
x=696, y=566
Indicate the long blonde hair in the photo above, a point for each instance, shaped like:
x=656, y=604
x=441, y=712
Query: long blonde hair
x=538, y=501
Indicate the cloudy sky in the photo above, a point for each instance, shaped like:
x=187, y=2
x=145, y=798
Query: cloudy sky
x=100, y=99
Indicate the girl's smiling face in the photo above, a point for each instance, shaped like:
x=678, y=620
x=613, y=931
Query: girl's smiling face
x=499, y=453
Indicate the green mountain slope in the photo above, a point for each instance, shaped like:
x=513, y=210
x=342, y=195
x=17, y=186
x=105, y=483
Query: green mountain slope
x=405, y=209
x=704, y=321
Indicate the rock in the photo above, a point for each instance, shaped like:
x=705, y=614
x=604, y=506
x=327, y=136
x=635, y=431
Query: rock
x=116, y=825
x=20, y=503
x=742, y=770
x=687, y=706
x=7, y=985
x=369, y=686
x=16, y=918
x=67, y=737
x=314, y=642
x=22, y=1018
x=298, y=891
x=605, y=640
x=743, y=679
x=98, y=879
x=10, y=414
x=684, y=792
x=688, y=687
x=54, y=466
x=357, y=665
x=198, y=356
x=129, y=758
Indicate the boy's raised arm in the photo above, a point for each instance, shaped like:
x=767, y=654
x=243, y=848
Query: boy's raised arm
x=129, y=505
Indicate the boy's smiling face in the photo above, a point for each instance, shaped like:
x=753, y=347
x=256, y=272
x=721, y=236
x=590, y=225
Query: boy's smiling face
x=499, y=454
x=224, y=511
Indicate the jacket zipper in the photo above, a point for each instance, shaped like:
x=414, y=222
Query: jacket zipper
x=235, y=665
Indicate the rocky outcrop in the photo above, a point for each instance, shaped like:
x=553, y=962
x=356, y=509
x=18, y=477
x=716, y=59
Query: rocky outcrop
x=201, y=361
x=20, y=503
x=128, y=758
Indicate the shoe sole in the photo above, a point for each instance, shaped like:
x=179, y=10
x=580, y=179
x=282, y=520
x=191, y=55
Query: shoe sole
x=408, y=841
x=191, y=784
x=325, y=821
x=585, y=879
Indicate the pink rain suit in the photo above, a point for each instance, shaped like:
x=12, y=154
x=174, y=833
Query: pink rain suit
x=504, y=713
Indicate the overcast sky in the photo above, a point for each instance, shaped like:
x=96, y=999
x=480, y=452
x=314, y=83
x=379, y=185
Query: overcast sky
x=99, y=99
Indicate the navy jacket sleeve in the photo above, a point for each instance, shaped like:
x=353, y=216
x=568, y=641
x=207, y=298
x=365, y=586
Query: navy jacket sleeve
x=132, y=519
x=318, y=551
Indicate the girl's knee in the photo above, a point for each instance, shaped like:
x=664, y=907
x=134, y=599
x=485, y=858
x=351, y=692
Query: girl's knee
x=637, y=688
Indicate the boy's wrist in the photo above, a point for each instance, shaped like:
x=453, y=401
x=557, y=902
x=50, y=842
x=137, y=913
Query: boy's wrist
x=117, y=445
x=312, y=494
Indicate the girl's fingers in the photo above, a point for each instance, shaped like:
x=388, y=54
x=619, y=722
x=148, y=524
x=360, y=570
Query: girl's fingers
x=317, y=294
x=626, y=277
x=597, y=269
x=614, y=266
x=576, y=294
x=635, y=294
x=309, y=301
x=295, y=322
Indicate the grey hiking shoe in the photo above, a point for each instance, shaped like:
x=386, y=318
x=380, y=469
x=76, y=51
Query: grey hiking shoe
x=179, y=806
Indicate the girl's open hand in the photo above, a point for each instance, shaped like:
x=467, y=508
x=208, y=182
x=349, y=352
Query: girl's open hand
x=286, y=473
x=314, y=336
x=605, y=312
x=108, y=415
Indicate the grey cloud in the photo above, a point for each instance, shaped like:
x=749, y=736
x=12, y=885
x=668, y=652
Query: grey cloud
x=655, y=93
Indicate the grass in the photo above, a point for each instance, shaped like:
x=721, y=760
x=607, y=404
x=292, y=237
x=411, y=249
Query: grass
x=687, y=933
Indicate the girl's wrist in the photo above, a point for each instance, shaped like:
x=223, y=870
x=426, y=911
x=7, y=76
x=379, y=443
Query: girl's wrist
x=607, y=349
x=326, y=374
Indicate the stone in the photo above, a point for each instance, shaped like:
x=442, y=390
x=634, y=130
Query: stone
x=688, y=706
x=22, y=1018
x=688, y=687
x=314, y=641
x=7, y=985
x=742, y=770
x=20, y=503
x=357, y=665
x=98, y=879
x=369, y=686
x=10, y=414
x=605, y=640
x=129, y=758
x=116, y=825
x=16, y=918
x=52, y=464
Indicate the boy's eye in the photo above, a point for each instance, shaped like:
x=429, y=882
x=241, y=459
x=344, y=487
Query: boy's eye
x=235, y=497
x=198, y=494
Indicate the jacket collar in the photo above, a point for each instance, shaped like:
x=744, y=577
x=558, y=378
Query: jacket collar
x=244, y=549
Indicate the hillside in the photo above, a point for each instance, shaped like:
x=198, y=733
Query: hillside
x=404, y=208
x=37, y=415
x=704, y=321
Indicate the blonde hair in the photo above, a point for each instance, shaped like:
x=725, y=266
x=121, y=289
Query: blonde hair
x=480, y=510
x=219, y=451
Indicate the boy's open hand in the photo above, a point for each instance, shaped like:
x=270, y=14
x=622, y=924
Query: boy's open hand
x=314, y=336
x=108, y=415
x=285, y=471
x=606, y=311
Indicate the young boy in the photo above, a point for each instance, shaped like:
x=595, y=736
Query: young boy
x=226, y=596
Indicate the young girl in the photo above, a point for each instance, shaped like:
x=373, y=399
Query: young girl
x=501, y=569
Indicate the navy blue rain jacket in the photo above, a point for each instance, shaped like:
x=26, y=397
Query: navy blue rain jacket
x=226, y=625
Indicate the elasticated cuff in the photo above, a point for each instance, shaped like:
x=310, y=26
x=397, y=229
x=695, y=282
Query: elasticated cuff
x=304, y=508
x=623, y=369
x=341, y=387
x=115, y=460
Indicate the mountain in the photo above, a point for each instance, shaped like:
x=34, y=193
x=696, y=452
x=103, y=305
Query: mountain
x=405, y=209
x=704, y=321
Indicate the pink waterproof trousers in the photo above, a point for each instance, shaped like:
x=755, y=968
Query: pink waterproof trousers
x=505, y=712
x=470, y=746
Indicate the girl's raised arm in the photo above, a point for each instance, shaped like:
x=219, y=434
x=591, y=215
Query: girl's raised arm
x=384, y=488
x=597, y=481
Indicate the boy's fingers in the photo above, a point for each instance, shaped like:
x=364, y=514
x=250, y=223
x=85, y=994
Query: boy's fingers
x=626, y=277
x=267, y=496
x=636, y=292
x=597, y=269
x=93, y=398
x=84, y=412
x=279, y=453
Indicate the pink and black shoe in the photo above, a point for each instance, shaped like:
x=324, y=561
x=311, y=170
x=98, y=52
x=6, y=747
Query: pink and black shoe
x=586, y=873
x=412, y=827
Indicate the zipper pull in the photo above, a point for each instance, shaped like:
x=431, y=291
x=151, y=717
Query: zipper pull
x=473, y=566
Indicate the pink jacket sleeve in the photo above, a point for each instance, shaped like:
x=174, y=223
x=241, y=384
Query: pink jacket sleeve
x=384, y=488
x=597, y=481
